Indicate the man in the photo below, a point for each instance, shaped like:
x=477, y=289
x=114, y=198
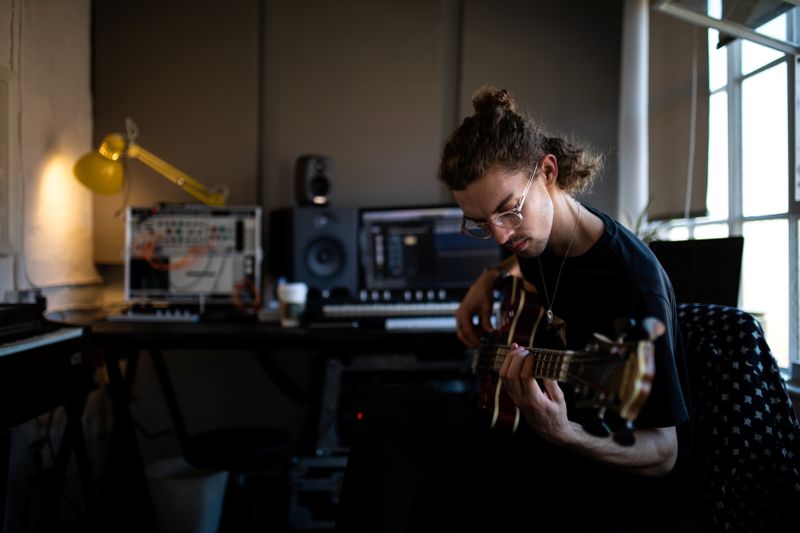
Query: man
x=425, y=461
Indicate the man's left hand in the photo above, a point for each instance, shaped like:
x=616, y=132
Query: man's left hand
x=543, y=406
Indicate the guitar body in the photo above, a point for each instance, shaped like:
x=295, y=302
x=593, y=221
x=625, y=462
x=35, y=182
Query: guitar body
x=609, y=375
x=522, y=320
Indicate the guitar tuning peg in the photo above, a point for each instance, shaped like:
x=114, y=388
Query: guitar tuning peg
x=653, y=327
x=624, y=437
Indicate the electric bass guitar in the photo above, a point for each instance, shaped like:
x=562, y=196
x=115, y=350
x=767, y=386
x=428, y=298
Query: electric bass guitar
x=608, y=375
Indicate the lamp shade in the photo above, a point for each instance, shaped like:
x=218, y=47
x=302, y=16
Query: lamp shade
x=101, y=170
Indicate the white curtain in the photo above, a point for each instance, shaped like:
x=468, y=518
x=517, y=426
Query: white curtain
x=678, y=118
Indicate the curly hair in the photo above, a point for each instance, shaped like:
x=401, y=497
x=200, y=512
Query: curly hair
x=496, y=136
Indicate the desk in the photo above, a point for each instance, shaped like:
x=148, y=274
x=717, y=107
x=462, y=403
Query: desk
x=119, y=340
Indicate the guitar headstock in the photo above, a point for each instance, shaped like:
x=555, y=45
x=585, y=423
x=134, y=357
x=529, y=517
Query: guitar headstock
x=616, y=376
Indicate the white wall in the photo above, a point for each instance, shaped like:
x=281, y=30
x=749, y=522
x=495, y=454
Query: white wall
x=47, y=49
x=45, y=44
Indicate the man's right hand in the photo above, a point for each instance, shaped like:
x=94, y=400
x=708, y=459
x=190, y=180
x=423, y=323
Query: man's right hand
x=477, y=302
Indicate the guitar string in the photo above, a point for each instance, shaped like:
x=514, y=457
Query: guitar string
x=577, y=380
x=557, y=371
x=502, y=350
x=506, y=348
x=581, y=357
x=573, y=378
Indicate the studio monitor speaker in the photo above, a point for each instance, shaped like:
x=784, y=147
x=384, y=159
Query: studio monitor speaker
x=317, y=246
x=313, y=177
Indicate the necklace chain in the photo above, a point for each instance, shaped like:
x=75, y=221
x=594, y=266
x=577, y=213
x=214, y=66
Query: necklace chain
x=560, y=269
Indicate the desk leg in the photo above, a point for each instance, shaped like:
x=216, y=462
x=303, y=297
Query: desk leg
x=125, y=476
x=170, y=397
x=74, y=432
x=72, y=441
x=5, y=459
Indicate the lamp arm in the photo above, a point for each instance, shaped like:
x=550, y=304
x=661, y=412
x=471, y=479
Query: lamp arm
x=179, y=178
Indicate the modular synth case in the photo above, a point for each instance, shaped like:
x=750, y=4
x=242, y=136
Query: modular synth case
x=191, y=254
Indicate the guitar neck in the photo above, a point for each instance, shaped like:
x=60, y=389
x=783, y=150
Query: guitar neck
x=548, y=364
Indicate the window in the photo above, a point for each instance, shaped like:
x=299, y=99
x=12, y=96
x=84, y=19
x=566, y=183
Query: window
x=750, y=175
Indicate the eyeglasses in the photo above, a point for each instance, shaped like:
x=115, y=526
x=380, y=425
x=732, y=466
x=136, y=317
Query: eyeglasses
x=507, y=219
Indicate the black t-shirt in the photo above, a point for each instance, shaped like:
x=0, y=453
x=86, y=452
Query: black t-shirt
x=619, y=277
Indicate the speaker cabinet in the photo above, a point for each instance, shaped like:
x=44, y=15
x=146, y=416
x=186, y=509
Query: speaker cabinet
x=317, y=246
x=313, y=177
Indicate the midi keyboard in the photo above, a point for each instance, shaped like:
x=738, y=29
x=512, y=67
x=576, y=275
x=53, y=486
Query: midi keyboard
x=393, y=316
x=389, y=309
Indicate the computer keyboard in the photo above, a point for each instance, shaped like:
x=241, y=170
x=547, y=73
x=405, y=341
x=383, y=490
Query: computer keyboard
x=155, y=315
x=426, y=323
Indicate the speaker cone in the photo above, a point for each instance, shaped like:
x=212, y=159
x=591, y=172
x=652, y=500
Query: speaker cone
x=325, y=257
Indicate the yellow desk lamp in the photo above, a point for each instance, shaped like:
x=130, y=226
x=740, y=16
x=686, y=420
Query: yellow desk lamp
x=102, y=171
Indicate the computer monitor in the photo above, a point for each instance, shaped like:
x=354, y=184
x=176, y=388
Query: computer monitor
x=193, y=254
x=703, y=270
x=420, y=248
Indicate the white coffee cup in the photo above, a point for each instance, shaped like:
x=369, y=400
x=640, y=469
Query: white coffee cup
x=292, y=300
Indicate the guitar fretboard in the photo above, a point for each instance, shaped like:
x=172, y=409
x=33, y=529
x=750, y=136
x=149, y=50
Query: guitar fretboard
x=549, y=364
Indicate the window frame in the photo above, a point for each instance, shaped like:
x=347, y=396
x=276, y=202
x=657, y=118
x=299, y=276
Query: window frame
x=735, y=218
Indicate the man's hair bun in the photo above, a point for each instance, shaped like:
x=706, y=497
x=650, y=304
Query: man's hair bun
x=497, y=136
x=490, y=100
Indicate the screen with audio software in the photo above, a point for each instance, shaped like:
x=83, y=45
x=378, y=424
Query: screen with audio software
x=420, y=248
x=193, y=254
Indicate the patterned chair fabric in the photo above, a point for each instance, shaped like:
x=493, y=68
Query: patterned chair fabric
x=746, y=430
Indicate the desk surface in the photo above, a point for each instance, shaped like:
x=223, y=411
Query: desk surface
x=257, y=335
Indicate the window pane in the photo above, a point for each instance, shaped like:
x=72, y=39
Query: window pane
x=765, y=143
x=717, y=187
x=765, y=281
x=678, y=233
x=717, y=62
x=711, y=231
x=755, y=55
x=714, y=8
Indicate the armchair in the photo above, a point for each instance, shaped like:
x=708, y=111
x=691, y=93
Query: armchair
x=745, y=430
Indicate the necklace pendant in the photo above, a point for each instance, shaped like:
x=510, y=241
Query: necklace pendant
x=549, y=317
